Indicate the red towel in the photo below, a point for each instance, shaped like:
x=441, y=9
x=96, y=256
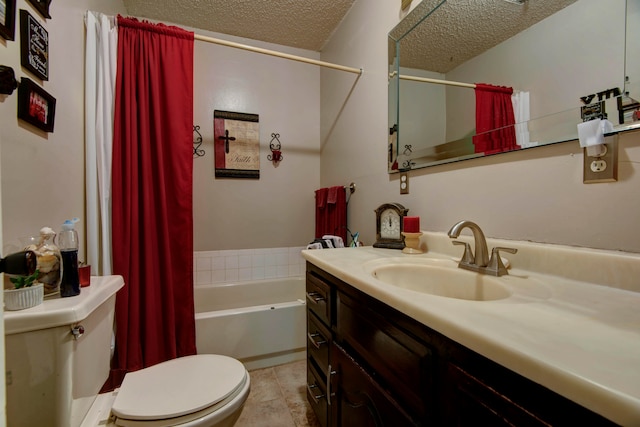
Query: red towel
x=331, y=212
x=332, y=195
x=321, y=197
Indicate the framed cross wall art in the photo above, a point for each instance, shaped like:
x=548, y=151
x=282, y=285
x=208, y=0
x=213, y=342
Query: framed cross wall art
x=236, y=145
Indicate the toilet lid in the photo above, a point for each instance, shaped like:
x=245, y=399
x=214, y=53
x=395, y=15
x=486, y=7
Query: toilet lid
x=178, y=387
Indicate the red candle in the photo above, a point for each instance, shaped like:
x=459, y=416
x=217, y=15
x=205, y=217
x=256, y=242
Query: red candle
x=411, y=224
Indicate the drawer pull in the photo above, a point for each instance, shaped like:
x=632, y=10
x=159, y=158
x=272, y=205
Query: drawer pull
x=315, y=297
x=315, y=343
x=315, y=397
x=329, y=374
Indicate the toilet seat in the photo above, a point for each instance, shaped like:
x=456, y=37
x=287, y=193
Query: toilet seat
x=179, y=390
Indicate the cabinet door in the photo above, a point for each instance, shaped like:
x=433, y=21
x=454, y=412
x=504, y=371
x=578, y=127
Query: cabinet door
x=357, y=400
x=472, y=403
x=400, y=362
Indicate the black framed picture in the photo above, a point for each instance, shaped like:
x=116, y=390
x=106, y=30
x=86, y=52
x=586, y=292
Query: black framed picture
x=42, y=6
x=35, y=105
x=8, y=19
x=34, y=45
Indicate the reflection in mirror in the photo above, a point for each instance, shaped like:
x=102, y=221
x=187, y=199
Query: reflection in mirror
x=556, y=56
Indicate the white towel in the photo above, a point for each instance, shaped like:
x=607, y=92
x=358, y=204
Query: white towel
x=592, y=132
x=591, y=135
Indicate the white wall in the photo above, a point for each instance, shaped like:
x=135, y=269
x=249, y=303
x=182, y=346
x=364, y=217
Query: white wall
x=43, y=173
x=277, y=210
x=534, y=194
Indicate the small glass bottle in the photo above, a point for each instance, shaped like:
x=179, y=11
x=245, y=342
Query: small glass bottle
x=48, y=257
x=67, y=241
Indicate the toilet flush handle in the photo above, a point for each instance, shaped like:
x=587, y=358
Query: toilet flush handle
x=77, y=331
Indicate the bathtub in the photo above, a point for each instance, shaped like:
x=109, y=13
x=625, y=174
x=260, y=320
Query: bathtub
x=261, y=323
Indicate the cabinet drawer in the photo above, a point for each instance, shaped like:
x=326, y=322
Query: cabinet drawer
x=316, y=395
x=400, y=362
x=318, y=340
x=318, y=298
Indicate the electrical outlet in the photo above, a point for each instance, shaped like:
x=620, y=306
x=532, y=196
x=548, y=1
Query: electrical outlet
x=404, y=183
x=602, y=168
x=598, y=166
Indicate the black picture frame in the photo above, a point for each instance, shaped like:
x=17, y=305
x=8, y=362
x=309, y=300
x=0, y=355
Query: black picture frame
x=42, y=6
x=8, y=21
x=35, y=105
x=34, y=46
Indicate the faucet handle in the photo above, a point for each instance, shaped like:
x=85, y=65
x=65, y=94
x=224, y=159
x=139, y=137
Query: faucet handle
x=495, y=265
x=467, y=256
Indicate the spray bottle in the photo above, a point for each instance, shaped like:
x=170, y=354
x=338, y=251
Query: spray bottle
x=67, y=241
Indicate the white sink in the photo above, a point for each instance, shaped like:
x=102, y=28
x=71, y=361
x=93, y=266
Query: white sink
x=442, y=277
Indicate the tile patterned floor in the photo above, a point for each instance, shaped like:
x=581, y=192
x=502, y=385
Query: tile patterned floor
x=278, y=398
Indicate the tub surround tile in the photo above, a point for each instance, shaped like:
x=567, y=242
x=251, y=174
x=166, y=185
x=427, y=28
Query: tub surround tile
x=270, y=272
x=217, y=276
x=217, y=262
x=257, y=260
x=203, y=263
x=247, y=264
x=257, y=273
x=231, y=262
x=282, y=258
x=244, y=261
x=245, y=274
x=231, y=275
x=295, y=270
x=282, y=270
x=203, y=277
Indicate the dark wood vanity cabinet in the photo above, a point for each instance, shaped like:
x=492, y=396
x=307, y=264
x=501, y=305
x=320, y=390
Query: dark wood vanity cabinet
x=370, y=365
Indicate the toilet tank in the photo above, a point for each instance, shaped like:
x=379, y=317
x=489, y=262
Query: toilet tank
x=53, y=375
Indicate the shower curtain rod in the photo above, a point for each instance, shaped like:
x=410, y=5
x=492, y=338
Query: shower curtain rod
x=436, y=81
x=278, y=54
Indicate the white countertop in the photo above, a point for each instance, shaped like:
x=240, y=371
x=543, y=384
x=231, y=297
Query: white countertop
x=57, y=311
x=579, y=338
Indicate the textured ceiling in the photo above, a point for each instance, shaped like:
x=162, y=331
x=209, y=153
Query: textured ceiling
x=305, y=24
x=458, y=30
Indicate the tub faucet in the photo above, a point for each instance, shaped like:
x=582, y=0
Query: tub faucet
x=479, y=259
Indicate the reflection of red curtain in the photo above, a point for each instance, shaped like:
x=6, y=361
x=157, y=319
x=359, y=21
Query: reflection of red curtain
x=152, y=196
x=495, y=130
x=331, y=212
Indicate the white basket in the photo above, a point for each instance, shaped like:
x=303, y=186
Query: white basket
x=19, y=299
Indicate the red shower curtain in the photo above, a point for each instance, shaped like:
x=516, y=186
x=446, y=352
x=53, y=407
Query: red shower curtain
x=152, y=196
x=331, y=212
x=495, y=130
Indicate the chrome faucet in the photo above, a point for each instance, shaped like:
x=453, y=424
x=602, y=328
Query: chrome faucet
x=480, y=262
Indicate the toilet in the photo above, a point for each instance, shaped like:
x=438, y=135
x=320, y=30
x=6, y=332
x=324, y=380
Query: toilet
x=58, y=358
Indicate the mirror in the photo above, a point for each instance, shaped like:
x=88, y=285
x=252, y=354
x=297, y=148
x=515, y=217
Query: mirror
x=555, y=54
